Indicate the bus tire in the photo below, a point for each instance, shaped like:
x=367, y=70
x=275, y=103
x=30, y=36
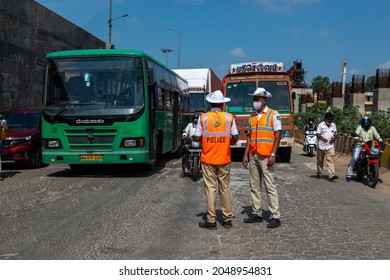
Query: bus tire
x=159, y=143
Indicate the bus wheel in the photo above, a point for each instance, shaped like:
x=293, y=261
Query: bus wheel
x=150, y=166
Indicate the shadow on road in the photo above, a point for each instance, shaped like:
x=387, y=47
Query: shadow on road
x=112, y=170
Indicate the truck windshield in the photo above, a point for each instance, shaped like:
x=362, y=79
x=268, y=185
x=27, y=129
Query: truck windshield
x=241, y=101
x=94, y=86
x=198, y=102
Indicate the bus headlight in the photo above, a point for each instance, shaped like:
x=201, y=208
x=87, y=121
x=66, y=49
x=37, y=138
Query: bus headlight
x=53, y=144
x=133, y=142
x=286, y=133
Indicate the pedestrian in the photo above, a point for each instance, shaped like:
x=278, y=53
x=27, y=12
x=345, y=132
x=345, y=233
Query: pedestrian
x=217, y=130
x=262, y=144
x=4, y=129
x=326, y=134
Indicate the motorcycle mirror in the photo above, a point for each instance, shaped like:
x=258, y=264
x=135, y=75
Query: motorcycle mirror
x=354, y=134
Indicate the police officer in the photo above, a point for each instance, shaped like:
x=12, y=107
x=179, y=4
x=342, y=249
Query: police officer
x=263, y=142
x=217, y=130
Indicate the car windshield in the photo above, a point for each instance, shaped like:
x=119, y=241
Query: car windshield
x=241, y=101
x=94, y=86
x=26, y=120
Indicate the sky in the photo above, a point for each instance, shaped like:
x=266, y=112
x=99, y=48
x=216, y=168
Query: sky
x=216, y=33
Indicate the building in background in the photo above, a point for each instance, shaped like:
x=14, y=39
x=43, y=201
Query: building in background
x=28, y=32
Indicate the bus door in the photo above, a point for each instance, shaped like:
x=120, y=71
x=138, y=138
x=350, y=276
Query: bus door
x=175, y=110
x=152, y=122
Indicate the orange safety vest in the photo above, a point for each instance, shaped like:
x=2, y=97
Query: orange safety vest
x=216, y=128
x=261, y=134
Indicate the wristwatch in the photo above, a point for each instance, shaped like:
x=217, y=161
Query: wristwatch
x=272, y=155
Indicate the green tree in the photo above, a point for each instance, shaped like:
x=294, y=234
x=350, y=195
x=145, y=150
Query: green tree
x=321, y=84
x=381, y=121
x=369, y=85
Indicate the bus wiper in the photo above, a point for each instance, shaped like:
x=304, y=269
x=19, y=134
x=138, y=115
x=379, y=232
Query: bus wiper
x=63, y=110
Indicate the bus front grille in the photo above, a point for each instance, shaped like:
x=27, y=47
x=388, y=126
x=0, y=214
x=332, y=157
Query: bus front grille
x=91, y=139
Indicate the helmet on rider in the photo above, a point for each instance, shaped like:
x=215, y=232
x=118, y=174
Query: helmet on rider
x=310, y=120
x=366, y=122
x=195, y=117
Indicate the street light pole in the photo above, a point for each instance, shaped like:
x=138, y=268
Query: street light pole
x=110, y=19
x=178, y=51
x=166, y=51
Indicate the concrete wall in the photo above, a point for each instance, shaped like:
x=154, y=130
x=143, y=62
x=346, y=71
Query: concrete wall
x=302, y=102
x=358, y=99
x=381, y=99
x=28, y=32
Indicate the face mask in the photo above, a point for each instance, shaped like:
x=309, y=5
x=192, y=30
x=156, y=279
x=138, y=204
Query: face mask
x=328, y=123
x=195, y=121
x=257, y=105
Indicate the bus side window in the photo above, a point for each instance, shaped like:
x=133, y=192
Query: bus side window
x=160, y=98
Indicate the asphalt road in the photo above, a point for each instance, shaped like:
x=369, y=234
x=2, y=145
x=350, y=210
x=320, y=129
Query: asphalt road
x=122, y=213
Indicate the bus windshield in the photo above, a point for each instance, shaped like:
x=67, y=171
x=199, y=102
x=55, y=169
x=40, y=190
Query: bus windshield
x=241, y=101
x=86, y=86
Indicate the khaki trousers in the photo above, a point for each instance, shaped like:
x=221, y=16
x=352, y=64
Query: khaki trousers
x=329, y=158
x=261, y=174
x=217, y=176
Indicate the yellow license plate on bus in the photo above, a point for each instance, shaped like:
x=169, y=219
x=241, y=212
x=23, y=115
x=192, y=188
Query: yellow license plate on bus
x=91, y=157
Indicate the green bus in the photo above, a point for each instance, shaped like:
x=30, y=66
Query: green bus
x=109, y=106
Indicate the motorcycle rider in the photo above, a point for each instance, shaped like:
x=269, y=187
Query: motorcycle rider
x=309, y=126
x=365, y=132
x=188, y=132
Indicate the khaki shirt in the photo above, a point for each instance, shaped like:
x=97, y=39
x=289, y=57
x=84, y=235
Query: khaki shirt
x=367, y=135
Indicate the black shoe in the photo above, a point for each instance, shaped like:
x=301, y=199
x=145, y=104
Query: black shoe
x=319, y=176
x=208, y=225
x=227, y=224
x=274, y=223
x=348, y=178
x=254, y=219
x=334, y=177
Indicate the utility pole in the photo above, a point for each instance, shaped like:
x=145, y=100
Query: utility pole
x=110, y=19
x=178, y=52
x=344, y=62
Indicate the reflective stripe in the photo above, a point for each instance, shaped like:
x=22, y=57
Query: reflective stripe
x=261, y=134
x=206, y=131
x=216, y=137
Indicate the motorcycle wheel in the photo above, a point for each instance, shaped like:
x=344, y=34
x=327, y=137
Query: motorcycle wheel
x=195, y=169
x=311, y=151
x=373, y=175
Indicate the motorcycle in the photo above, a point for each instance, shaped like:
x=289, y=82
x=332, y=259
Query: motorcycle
x=194, y=159
x=310, y=143
x=368, y=162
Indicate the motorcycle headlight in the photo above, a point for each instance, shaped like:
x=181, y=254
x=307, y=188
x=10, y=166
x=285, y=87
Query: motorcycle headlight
x=374, y=151
x=195, y=144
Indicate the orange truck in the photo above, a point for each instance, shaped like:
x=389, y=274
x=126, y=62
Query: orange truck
x=244, y=78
